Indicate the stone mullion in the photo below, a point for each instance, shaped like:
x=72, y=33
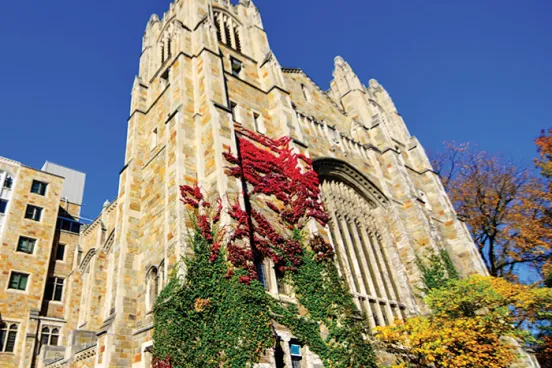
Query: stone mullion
x=232, y=33
x=342, y=224
x=364, y=260
x=343, y=206
x=351, y=255
x=355, y=255
x=223, y=20
x=385, y=281
x=338, y=237
x=377, y=271
x=383, y=267
x=392, y=284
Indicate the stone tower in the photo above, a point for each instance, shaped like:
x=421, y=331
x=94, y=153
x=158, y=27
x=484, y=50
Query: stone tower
x=206, y=67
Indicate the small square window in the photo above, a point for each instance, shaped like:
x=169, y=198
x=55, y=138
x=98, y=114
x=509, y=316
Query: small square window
x=26, y=245
x=237, y=66
x=60, y=252
x=33, y=213
x=3, y=206
x=8, y=183
x=38, y=187
x=18, y=281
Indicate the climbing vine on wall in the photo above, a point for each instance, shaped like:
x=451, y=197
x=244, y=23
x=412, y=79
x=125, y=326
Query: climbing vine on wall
x=437, y=270
x=220, y=314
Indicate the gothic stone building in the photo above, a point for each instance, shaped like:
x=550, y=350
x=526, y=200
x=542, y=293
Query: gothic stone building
x=205, y=68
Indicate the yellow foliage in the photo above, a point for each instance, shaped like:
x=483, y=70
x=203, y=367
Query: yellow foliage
x=467, y=327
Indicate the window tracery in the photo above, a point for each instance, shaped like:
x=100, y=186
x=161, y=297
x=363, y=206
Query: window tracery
x=360, y=254
x=228, y=31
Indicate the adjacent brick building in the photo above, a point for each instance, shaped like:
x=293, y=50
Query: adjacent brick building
x=39, y=232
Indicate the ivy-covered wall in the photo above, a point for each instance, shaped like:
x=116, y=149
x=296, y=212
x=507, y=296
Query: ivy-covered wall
x=219, y=314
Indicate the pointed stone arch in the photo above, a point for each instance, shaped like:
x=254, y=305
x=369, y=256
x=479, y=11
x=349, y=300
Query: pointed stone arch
x=86, y=260
x=331, y=168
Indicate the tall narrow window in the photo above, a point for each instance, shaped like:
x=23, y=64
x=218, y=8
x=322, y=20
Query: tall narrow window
x=227, y=30
x=152, y=283
x=306, y=93
x=233, y=107
x=60, y=252
x=162, y=52
x=18, y=281
x=26, y=245
x=238, y=40
x=38, y=187
x=3, y=205
x=218, y=25
x=261, y=273
x=258, y=123
x=8, y=337
x=33, y=213
x=169, y=48
x=54, y=289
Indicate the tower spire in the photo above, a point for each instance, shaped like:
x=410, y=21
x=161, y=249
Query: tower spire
x=345, y=79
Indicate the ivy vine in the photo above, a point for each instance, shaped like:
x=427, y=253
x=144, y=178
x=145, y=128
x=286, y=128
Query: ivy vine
x=210, y=318
x=437, y=270
x=219, y=315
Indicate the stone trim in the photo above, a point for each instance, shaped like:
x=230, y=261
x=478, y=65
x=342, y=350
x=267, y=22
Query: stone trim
x=143, y=329
x=324, y=93
x=86, y=260
x=334, y=168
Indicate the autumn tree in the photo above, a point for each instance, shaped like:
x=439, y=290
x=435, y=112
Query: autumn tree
x=544, y=163
x=469, y=326
x=505, y=207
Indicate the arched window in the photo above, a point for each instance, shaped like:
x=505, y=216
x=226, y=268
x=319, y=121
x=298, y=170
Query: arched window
x=49, y=336
x=361, y=257
x=152, y=287
x=8, y=337
x=228, y=31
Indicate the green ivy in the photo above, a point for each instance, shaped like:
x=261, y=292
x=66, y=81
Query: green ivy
x=329, y=308
x=437, y=270
x=212, y=319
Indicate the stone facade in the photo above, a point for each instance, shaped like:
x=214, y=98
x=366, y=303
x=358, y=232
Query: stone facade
x=38, y=251
x=206, y=67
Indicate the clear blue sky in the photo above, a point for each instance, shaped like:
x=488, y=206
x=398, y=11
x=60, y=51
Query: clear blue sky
x=470, y=70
